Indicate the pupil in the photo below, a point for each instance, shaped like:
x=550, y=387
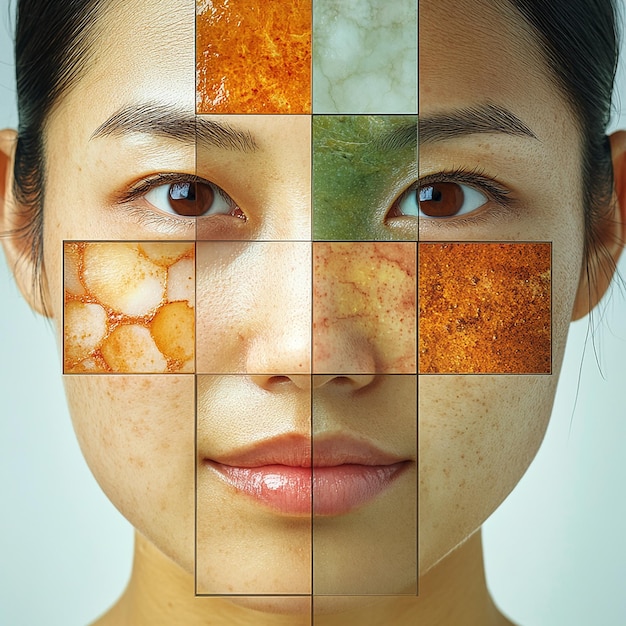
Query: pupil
x=191, y=199
x=183, y=191
x=441, y=199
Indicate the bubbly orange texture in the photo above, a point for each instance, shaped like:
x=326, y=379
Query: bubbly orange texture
x=484, y=308
x=253, y=56
x=129, y=307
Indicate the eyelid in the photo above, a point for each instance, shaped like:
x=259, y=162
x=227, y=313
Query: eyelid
x=502, y=199
x=141, y=188
x=473, y=178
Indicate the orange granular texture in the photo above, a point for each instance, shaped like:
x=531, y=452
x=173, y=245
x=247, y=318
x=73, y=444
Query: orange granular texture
x=253, y=56
x=484, y=308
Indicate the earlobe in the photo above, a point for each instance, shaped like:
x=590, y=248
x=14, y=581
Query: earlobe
x=605, y=251
x=14, y=229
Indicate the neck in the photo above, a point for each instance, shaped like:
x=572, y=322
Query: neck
x=451, y=593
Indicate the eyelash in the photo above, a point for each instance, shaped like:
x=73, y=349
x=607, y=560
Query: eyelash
x=476, y=178
x=142, y=187
x=495, y=192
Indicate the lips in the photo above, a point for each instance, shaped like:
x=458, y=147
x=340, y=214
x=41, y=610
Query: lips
x=332, y=477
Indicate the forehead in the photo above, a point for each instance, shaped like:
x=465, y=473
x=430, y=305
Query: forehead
x=480, y=49
x=142, y=50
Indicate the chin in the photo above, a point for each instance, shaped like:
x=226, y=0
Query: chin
x=301, y=606
x=283, y=605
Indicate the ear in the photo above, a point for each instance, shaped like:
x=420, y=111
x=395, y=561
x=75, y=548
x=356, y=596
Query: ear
x=15, y=232
x=603, y=257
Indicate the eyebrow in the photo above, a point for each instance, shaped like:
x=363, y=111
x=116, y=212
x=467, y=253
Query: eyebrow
x=404, y=136
x=483, y=119
x=171, y=123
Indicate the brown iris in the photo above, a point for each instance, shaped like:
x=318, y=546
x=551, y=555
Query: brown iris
x=441, y=199
x=191, y=199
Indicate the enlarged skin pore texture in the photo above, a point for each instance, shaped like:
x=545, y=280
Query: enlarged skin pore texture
x=484, y=308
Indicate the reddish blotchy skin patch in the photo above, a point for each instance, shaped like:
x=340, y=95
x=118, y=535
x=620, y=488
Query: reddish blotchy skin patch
x=95, y=361
x=364, y=303
x=484, y=308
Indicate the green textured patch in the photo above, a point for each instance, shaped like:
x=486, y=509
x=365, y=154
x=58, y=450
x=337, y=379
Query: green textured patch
x=361, y=165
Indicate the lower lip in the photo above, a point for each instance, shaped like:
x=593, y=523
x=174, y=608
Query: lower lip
x=336, y=490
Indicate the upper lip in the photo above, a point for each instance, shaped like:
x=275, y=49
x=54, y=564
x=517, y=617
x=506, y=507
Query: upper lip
x=296, y=450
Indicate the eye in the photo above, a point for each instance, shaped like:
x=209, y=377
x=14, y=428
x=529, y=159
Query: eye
x=449, y=199
x=439, y=199
x=192, y=199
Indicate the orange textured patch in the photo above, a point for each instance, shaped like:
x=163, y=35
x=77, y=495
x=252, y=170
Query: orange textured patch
x=484, y=308
x=128, y=307
x=253, y=56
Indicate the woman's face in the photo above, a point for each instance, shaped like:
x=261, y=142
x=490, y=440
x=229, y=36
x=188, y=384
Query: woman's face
x=256, y=336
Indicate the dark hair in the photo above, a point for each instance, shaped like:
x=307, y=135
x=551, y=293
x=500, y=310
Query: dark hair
x=52, y=49
x=578, y=39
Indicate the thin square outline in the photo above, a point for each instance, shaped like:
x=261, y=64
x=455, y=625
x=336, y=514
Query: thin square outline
x=304, y=112
x=416, y=160
x=124, y=241
x=416, y=112
x=303, y=242
x=381, y=373
x=497, y=242
x=258, y=239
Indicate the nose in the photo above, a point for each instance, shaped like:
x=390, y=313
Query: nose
x=309, y=383
x=285, y=310
x=364, y=308
x=254, y=308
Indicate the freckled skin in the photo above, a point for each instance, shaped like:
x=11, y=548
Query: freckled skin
x=355, y=180
x=366, y=290
x=477, y=434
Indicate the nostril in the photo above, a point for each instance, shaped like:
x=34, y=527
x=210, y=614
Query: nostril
x=278, y=380
x=343, y=380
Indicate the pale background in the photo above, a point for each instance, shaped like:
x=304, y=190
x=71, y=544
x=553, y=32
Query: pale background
x=556, y=550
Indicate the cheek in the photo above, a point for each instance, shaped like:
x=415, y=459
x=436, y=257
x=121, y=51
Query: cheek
x=253, y=308
x=477, y=436
x=137, y=435
x=128, y=307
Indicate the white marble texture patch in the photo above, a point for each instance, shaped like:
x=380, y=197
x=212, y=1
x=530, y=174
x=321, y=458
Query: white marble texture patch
x=365, y=56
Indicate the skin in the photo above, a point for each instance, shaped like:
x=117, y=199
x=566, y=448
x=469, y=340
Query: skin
x=137, y=432
x=470, y=428
x=352, y=187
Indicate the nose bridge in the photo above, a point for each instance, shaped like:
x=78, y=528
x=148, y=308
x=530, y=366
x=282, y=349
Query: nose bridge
x=301, y=307
x=280, y=337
